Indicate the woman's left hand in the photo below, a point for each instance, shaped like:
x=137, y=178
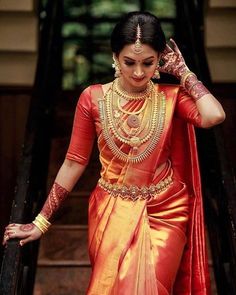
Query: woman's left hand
x=174, y=62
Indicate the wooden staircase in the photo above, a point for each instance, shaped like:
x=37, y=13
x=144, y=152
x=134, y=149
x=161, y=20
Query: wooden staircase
x=220, y=40
x=18, y=42
x=63, y=262
x=18, y=55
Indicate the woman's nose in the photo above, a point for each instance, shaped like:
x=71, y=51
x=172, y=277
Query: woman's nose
x=138, y=72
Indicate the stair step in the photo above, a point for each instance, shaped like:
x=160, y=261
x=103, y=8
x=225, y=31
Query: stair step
x=61, y=280
x=222, y=64
x=64, y=244
x=19, y=33
x=224, y=23
x=17, y=69
x=17, y=6
x=62, y=263
x=222, y=4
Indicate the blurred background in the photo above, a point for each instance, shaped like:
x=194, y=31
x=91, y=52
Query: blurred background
x=49, y=52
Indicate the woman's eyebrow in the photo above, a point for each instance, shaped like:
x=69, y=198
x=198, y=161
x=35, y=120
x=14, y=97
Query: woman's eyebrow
x=145, y=59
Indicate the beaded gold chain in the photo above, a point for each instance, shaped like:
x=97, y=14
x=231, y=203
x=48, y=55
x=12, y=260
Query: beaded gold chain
x=154, y=132
x=131, y=140
x=131, y=113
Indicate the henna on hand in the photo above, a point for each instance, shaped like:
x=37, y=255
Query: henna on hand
x=26, y=227
x=174, y=62
x=56, y=196
x=195, y=87
x=175, y=65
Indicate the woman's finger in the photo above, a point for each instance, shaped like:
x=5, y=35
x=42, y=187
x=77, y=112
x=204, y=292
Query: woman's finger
x=175, y=46
x=25, y=241
x=5, y=239
x=167, y=49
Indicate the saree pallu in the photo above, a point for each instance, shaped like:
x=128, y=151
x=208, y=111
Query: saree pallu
x=136, y=246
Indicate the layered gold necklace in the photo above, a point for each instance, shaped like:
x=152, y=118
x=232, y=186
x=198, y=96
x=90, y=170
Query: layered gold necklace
x=132, y=128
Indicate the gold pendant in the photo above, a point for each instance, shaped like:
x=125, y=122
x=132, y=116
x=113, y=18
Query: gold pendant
x=134, y=141
x=117, y=114
x=133, y=121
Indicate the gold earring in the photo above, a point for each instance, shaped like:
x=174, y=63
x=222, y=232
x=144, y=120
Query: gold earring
x=156, y=74
x=116, y=66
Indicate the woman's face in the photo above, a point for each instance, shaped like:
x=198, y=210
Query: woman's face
x=137, y=69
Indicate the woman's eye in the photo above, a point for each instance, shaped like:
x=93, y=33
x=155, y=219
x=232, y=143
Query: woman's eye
x=129, y=63
x=148, y=64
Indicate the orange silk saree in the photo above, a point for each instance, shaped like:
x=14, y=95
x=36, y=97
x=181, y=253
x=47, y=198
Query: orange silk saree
x=146, y=247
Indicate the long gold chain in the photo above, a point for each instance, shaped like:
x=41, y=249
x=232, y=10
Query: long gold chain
x=158, y=110
x=132, y=113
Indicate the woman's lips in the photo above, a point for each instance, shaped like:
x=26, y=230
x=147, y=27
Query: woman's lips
x=137, y=79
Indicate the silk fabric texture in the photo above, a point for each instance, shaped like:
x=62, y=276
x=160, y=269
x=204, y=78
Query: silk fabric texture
x=145, y=247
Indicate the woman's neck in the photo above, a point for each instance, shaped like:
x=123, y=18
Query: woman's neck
x=131, y=89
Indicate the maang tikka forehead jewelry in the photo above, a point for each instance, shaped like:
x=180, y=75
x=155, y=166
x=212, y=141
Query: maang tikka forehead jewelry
x=138, y=48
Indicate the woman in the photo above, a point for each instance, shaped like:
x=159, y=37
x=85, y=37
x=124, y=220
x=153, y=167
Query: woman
x=146, y=232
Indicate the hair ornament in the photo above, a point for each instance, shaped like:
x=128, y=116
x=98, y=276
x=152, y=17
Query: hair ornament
x=138, y=45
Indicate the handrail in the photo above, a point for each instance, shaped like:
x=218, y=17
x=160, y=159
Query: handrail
x=217, y=177
x=19, y=264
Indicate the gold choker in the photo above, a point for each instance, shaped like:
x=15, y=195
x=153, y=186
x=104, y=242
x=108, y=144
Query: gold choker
x=132, y=96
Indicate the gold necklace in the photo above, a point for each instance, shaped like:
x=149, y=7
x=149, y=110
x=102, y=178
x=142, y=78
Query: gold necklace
x=157, y=121
x=133, y=141
x=134, y=96
x=132, y=120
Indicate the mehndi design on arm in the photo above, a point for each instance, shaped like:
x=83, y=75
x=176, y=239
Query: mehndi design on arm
x=56, y=196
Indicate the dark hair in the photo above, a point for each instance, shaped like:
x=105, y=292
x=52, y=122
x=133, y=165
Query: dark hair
x=124, y=33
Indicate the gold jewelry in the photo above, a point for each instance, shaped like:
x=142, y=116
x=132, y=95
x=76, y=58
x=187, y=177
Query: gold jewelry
x=133, y=141
x=42, y=223
x=157, y=103
x=132, y=120
x=131, y=113
x=116, y=66
x=134, y=192
x=185, y=76
x=156, y=74
x=134, y=96
x=138, y=48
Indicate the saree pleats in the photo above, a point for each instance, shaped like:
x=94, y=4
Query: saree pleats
x=168, y=219
x=143, y=258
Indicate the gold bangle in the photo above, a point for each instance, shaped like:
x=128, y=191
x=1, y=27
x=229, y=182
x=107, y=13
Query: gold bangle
x=185, y=76
x=42, y=219
x=41, y=223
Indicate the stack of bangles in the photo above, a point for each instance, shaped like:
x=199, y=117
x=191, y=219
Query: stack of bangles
x=194, y=87
x=42, y=223
x=185, y=76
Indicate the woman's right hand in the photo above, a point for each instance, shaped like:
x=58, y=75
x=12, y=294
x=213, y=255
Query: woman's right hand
x=25, y=232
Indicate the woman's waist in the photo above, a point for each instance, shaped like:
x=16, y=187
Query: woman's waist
x=136, y=190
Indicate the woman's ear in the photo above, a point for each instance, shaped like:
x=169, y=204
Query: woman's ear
x=115, y=56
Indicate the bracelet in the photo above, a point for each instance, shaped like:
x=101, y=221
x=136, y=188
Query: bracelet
x=185, y=76
x=42, y=223
x=192, y=86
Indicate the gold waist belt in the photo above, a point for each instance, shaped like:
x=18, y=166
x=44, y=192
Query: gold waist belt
x=134, y=192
